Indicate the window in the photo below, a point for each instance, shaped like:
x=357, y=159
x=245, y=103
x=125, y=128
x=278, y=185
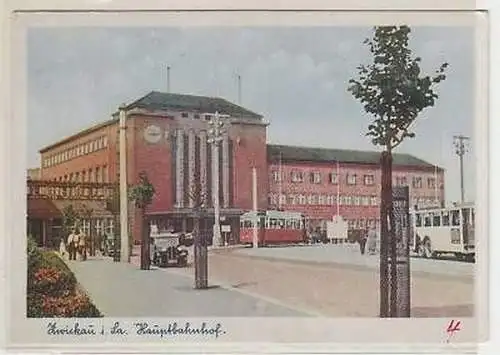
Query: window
x=97, y=174
x=77, y=177
x=374, y=201
x=207, y=117
x=293, y=199
x=334, y=178
x=347, y=200
x=84, y=176
x=282, y=199
x=446, y=219
x=351, y=179
x=86, y=148
x=427, y=220
x=418, y=220
x=331, y=200
x=436, y=220
x=369, y=179
x=91, y=176
x=302, y=200
x=105, y=174
x=455, y=218
x=105, y=142
x=276, y=176
x=315, y=177
x=357, y=200
x=431, y=183
x=297, y=176
x=321, y=200
x=365, y=200
x=184, y=115
x=401, y=181
x=417, y=182
x=312, y=200
x=196, y=116
x=273, y=199
x=351, y=223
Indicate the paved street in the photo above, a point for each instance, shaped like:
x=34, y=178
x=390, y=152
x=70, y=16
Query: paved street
x=319, y=280
x=122, y=290
x=349, y=254
x=334, y=289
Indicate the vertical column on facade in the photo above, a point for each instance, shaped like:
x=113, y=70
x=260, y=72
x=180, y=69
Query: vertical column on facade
x=191, y=167
x=179, y=172
x=225, y=171
x=203, y=167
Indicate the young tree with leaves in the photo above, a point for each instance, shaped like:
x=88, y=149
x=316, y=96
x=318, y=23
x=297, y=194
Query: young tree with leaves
x=142, y=196
x=393, y=90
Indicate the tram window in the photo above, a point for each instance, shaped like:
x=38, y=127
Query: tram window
x=455, y=218
x=273, y=223
x=289, y=224
x=436, y=220
x=418, y=220
x=281, y=224
x=473, y=218
x=446, y=219
x=427, y=221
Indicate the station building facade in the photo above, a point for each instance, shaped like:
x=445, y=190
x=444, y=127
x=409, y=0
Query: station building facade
x=322, y=183
x=167, y=136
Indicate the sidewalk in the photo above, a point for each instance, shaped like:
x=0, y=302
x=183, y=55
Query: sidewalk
x=123, y=290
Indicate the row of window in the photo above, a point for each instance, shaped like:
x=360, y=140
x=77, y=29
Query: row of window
x=324, y=200
x=315, y=177
x=328, y=200
x=77, y=151
x=102, y=226
x=96, y=174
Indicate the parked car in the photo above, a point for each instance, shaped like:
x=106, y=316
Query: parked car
x=168, y=249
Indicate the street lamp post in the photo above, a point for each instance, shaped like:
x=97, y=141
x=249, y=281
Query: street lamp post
x=216, y=134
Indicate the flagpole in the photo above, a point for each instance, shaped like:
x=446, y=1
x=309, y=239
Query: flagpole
x=280, y=185
x=338, y=188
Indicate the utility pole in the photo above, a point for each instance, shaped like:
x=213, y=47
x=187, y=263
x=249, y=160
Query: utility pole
x=239, y=88
x=168, y=78
x=460, y=149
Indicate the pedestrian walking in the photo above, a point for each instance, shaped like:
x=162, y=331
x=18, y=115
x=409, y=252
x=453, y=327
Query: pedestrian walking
x=62, y=248
x=362, y=242
x=372, y=241
x=82, y=246
x=71, y=245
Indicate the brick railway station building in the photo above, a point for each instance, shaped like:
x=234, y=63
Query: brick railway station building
x=167, y=137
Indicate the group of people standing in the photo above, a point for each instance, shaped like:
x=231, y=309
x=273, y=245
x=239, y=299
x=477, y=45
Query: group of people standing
x=75, y=246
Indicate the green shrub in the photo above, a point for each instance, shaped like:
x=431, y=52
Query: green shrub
x=52, y=289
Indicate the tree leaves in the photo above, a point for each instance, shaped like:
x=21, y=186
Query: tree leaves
x=392, y=88
x=142, y=193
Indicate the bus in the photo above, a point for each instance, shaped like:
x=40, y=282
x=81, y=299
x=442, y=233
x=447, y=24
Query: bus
x=274, y=227
x=439, y=231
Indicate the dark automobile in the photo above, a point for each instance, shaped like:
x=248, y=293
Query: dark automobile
x=169, y=249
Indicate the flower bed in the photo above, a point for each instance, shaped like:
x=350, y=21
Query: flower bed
x=52, y=289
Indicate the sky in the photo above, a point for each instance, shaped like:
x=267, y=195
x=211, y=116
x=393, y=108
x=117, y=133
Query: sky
x=296, y=77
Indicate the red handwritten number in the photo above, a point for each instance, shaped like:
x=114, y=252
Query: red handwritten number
x=453, y=327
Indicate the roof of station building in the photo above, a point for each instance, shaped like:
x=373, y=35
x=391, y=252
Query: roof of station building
x=277, y=152
x=160, y=101
x=156, y=100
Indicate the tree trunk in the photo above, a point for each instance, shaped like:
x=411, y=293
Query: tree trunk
x=200, y=256
x=385, y=203
x=116, y=238
x=145, y=245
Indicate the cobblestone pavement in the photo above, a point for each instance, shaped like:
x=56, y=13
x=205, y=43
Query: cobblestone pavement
x=334, y=290
x=123, y=290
